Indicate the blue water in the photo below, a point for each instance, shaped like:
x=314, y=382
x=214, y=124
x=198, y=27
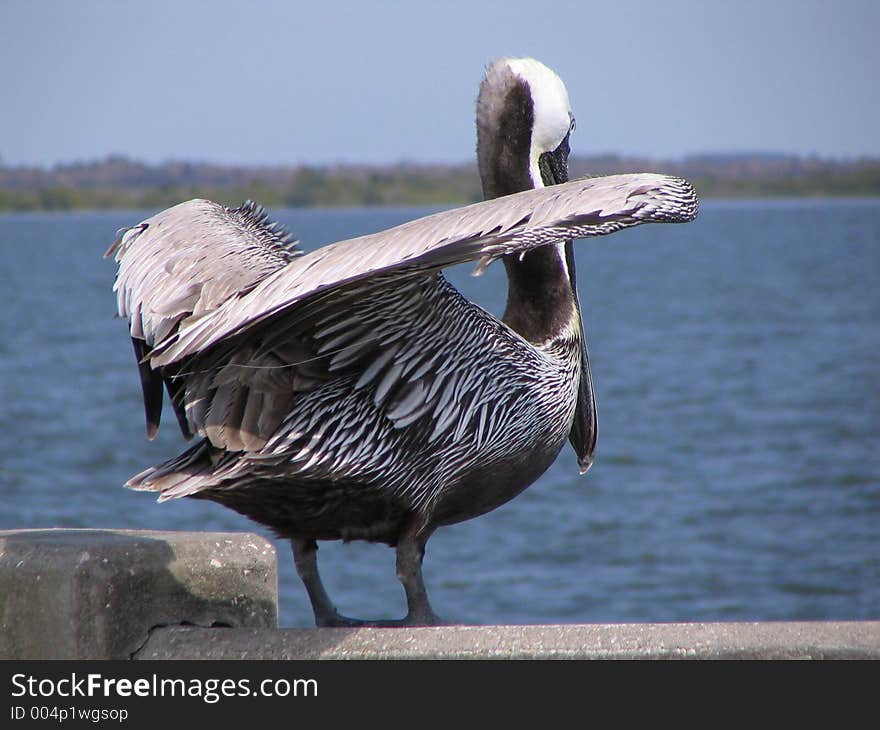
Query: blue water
x=737, y=475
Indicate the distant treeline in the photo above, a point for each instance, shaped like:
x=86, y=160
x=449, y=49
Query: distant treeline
x=117, y=182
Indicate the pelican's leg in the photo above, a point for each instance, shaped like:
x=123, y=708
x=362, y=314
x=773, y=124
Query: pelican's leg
x=410, y=553
x=305, y=556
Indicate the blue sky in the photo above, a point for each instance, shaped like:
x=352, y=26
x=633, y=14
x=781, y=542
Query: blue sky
x=342, y=81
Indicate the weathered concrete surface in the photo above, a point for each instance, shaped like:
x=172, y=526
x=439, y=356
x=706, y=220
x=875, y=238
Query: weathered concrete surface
x=782, y=640
x=96, y=594
x=110, y=594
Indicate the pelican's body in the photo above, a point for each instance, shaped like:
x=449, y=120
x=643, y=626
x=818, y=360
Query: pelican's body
x=353, y=393
x=352, y=463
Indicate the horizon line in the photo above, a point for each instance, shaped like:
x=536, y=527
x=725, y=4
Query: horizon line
x=716, y=155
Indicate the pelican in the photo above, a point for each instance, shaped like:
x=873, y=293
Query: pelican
x=352, y=392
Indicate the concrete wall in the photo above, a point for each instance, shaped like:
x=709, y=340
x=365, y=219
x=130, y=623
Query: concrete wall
x=118, y=594
x=97, y=594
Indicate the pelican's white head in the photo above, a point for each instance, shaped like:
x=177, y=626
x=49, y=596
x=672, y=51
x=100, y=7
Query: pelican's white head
x=523, y=122
x=553, y=117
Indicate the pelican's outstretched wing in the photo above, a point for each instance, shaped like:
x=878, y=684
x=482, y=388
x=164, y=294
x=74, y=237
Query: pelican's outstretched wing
x=235, y=325
x=178, y=260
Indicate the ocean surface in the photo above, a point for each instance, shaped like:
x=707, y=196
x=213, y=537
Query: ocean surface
x=736, y=363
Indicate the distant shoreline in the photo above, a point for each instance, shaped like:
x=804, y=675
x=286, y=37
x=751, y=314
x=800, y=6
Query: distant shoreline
x=119, y=183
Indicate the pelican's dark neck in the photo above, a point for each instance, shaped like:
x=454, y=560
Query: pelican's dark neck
x=540, y=299
x=504, y=141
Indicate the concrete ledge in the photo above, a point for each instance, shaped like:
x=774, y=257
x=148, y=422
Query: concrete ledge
x=120, y=594
x=782, y=640
x=96, y=594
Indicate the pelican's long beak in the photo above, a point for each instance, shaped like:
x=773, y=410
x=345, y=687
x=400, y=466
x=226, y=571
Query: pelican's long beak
x=585, y=427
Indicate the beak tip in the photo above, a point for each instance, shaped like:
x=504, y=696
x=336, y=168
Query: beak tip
x=584, y=464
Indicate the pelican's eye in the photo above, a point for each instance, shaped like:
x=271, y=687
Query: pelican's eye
x=572, y=126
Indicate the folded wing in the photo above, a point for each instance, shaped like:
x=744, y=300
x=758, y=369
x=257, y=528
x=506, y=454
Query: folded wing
x=184, y=263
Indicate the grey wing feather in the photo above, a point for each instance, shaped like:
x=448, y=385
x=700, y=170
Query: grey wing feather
x=190, y=259
x=481, y=232
x=184, y=263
